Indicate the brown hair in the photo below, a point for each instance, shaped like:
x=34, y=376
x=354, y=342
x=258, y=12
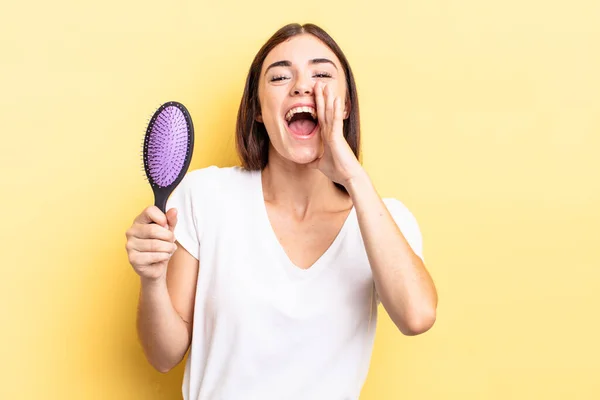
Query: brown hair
x=252, y=140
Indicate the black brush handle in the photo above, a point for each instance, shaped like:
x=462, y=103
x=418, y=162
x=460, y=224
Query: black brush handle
x=161, y=195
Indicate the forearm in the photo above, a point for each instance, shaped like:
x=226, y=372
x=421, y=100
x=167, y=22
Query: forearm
x=163, y=334
x=402, y=282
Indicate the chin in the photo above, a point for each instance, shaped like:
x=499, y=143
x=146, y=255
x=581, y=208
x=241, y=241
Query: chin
x=304, y=160
x=298, y=156
x=304, y=154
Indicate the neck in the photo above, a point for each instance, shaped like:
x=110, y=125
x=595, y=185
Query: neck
x=300, y=188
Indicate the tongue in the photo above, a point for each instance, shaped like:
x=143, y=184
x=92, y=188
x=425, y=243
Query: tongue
x=302, y=126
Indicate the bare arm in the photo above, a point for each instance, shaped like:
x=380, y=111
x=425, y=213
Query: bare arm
x=168, y=275
x=165, y=312
x=401, y=280
x=403, y=284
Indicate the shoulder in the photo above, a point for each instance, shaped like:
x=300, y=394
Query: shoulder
x=215, y=182
x=407, y=223
x=216, y=176
x=398, y=209
x=205, y=193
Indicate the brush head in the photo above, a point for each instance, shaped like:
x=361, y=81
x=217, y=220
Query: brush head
x=168, y=146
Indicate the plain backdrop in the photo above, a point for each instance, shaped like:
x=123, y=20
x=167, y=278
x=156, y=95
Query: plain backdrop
x=483, y=117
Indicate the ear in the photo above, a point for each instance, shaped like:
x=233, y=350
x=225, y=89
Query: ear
x=347, y=109
x=259, y=118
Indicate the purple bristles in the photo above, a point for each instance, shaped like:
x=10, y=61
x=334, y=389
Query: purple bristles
x=167, y=146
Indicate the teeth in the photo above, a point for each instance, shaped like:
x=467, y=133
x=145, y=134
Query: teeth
x=297, y=110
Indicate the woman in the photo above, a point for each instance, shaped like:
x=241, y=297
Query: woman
x=296, y=246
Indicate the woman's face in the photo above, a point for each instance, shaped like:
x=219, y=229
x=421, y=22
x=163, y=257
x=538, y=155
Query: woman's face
x=287, y=81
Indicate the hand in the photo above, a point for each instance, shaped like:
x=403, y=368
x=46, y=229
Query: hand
x=337, y=160
x=151, y=242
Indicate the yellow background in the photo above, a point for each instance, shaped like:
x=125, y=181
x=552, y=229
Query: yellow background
x=482, y=116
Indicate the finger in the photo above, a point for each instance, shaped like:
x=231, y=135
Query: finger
x=151, y=246
x=153, y=231
x=338, y=108
x=320, y=103
x=329, y=98
x=338, y=116
x=150, y=215
x=172, y=219
x=150, y=258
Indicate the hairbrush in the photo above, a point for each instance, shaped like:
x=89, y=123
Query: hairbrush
x=168, y=148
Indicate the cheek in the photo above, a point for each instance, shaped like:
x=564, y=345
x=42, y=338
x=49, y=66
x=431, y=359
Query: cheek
x=338, y=90
x=269, y=105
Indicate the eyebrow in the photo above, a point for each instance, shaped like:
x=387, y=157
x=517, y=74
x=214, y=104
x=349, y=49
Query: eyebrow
x=286, y=63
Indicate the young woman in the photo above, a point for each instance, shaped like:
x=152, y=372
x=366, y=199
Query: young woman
x=296, y=247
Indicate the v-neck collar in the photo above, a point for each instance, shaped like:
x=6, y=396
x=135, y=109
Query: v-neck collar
x=280, y=253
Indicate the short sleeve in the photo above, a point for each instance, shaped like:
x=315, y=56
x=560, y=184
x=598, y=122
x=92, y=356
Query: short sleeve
x=407, y=223
x=183, y=199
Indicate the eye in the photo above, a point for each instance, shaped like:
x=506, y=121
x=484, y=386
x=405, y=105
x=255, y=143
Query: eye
x=322, y=75
x=278, y=78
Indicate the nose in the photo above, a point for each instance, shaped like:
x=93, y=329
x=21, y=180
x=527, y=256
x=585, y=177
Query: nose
x=302, y=86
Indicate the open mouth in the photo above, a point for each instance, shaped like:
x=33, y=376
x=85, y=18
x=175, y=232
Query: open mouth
x=302, y=121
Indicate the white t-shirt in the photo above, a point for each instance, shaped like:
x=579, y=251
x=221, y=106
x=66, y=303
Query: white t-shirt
x=264, y=328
